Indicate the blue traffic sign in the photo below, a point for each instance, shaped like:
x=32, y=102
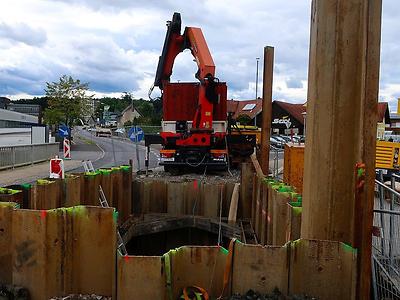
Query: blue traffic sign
x=136, y=134
x=64, y=131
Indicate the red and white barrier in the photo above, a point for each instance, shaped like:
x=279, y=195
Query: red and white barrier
x=56, y=168
x=67, y=149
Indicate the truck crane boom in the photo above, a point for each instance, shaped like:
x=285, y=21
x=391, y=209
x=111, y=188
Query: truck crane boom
x=194, y=114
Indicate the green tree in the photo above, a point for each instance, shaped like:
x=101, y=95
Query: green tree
x=244, y=120
x=68, y=98
x=52, y=116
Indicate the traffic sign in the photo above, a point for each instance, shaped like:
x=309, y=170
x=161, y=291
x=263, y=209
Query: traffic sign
x=64, y=131
x=56, y=168
x=67, y=149
x=136, y=134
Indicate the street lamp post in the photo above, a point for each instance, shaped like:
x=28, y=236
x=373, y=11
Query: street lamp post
x=255, y=118
x=257, y=59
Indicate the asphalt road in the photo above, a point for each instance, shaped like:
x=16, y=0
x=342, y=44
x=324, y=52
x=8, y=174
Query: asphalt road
x=116, y=151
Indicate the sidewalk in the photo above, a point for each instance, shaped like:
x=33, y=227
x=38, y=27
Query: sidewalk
x=28, y=174
x=31, y=173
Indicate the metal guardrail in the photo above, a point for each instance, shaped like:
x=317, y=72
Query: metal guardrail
x=386, y=240
x=20, y=155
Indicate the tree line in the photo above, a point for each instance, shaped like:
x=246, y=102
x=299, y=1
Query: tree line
x=69, y=100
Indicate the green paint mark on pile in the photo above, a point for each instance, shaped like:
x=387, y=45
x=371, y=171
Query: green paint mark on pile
x=115, y=216
x=295, y=243
x=91, y=174
x=43, y=181
x=285, y=189
x=105, y=171
x=223, y=250
x=126, y=168
x=297, y=210
x=349, y=248
x=76, y=210
x=9, y=204
x=5, y=191
x=26, y=186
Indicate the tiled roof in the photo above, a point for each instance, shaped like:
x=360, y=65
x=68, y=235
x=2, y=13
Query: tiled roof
x=383, y=112
x=294, y=109
x=297, y=110
x=236, y=107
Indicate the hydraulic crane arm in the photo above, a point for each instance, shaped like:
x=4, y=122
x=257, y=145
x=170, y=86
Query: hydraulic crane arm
x=175, y=43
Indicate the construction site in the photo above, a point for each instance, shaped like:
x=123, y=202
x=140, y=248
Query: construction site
x=222, y=216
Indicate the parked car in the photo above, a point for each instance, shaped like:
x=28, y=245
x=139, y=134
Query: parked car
x=287, y=139
x=275, y=143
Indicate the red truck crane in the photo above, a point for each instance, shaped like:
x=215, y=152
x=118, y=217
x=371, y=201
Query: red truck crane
x=194, y=121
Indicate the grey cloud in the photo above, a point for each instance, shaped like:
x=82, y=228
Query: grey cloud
x=236, y=32
x=294, y=83
x=23, y=33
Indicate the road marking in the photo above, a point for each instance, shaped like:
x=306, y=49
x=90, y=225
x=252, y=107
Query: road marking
x=98, y=146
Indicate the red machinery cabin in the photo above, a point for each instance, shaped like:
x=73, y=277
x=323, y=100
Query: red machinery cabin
x=180, y=101
x=194, y=114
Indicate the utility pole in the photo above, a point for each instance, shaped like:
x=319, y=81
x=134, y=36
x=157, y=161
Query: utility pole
x=267, y=107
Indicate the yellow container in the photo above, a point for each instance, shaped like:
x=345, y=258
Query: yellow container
x=293, y=167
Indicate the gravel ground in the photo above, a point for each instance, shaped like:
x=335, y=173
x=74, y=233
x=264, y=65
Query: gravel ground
x=13, y=292
x=233, y=176
x=275, y=295
x=82, y=297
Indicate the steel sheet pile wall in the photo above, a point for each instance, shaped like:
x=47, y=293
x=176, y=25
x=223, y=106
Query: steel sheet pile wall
x=47, y=194
x=11, y=195
x=72, y=185
x=322, y=269
x=76, y=189
x=198, y=266
x=276, y=211
x=142, y=276
x=27, y=193
x=6, y=209
x=58, y=252
x=125, y=207
x=259, y=268
x=164, y=277
x=90, y=188
x=181, y=197
x=106, y=184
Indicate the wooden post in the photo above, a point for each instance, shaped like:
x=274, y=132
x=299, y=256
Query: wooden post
x=246, y=191
x=341, y=126
x=234, y=204
x=267, y=107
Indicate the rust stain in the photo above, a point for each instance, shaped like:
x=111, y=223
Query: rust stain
x=26, y=251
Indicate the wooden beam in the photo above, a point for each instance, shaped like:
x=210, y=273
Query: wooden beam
x=257, y=166
x=168, y=223
x=234, y=204
x=367, y=138
x=267, y=107
x=341, y=125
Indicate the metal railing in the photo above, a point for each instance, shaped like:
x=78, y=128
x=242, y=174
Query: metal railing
x=386, y=239
x=20, y=155
x=277, y=168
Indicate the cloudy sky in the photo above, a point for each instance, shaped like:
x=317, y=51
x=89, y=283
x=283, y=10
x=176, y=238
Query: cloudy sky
x=114, y=44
